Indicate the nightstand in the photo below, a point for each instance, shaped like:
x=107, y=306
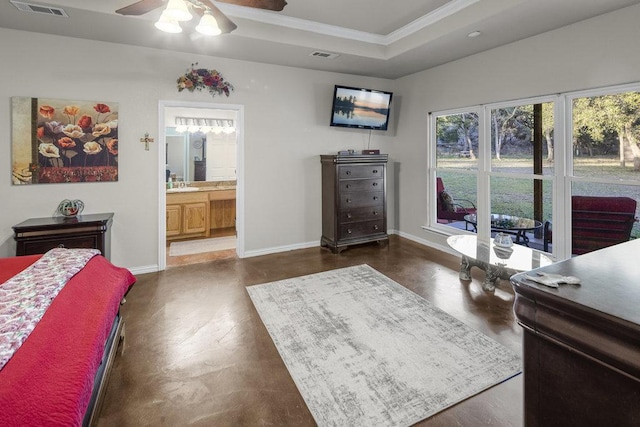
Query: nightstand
x=38, y=235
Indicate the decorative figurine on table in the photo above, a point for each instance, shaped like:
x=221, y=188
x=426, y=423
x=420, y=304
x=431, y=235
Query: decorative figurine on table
x=70, y=208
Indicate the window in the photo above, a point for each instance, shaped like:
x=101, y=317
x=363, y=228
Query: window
x=605, y=146
x=538, y=155
x=456, y=157
x=522, y=165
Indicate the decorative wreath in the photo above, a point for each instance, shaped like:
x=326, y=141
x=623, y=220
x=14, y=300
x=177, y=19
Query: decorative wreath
x=201, y=78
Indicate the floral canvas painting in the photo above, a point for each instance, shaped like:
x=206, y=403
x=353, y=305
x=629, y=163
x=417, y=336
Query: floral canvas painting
x=58, y=141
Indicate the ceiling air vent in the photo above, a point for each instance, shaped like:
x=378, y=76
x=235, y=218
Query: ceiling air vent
x=37, y=8
x=327, y=55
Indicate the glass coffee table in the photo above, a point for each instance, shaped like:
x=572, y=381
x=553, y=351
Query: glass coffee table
x=498, y=262
x=515, y=225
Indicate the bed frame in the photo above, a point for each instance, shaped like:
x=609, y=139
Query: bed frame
x=114, y=342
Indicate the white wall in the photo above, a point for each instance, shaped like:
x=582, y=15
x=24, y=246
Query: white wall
x=286, y=114
x=599, y=52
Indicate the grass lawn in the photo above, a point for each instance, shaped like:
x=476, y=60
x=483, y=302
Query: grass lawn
x=514, y=196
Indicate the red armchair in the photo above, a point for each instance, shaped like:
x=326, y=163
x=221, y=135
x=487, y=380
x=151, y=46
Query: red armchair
x=597, y=222
x=449, y=209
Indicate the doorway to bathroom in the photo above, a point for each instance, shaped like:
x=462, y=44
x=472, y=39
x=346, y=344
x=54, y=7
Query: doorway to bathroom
x=201, y=182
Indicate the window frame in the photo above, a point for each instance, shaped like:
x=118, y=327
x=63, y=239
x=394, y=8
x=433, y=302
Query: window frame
x=561, y=180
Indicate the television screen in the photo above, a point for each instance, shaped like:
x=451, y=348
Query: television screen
x=360, y=108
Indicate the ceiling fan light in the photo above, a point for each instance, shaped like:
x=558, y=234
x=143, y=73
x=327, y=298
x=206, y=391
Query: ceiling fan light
x=208, y=25
x=177, y=10
x=168, y=25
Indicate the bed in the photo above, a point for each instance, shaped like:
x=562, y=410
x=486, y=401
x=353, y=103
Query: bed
x=56, y=376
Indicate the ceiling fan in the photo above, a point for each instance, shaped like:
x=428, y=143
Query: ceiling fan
x=213, y=21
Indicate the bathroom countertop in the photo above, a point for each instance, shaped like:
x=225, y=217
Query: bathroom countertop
x=194, y=189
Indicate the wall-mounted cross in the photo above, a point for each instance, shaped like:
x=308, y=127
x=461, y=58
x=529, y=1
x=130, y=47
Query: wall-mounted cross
x=146, y=141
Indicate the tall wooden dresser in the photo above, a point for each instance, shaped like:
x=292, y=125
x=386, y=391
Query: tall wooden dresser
x=354, y=200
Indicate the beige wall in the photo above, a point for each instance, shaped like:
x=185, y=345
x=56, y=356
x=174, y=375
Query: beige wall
x=594, y=53
x=286, y=116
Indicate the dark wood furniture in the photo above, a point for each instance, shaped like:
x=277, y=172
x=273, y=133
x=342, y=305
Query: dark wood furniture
x=200, y=170
x=582, y=343
x=38, y=235
x=354, y=208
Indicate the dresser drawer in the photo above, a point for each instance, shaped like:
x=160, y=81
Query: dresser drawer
x=360, y=229
x=362, y=214
x=40, y=246
x=360, y=171
x=348, y=185
x=356, y=200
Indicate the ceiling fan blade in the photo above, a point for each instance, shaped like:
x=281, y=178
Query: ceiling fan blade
x=276, y=5
x=225, y=24
x=140, y=8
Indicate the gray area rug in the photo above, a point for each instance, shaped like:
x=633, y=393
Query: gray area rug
x=365, y=351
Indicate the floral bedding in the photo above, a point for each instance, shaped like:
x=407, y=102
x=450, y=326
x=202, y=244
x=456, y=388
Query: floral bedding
x=26, y=296
x=49, y=380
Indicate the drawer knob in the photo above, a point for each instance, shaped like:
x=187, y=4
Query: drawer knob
x=348, y=200
x=375, y=184
x=375, y=212
x=61, y=245
x=349, y=215
x=375, y=171
x=375, y=197
x=348, y=172
x=348, y=231
x=348, y=185
x=375, y=227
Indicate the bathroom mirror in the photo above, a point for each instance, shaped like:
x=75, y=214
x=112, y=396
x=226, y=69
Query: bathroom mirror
x=199, y=147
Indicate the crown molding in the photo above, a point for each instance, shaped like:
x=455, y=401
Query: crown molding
x=431, y=18
x=274, y=18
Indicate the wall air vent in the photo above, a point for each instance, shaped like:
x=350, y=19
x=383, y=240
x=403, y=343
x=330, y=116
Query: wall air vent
x=327, y=55
x=38, y=8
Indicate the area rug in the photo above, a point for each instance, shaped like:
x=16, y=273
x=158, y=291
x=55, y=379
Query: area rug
x=365, y=351
x=191, y=247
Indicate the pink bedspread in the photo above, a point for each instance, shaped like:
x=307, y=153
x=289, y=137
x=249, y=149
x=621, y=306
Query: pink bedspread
x=49, y=379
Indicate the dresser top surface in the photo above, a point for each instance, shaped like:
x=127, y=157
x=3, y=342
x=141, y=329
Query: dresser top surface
x=63, y=222
x=355, y=158
x=609, y=283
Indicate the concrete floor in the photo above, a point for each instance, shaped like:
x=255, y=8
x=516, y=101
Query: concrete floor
x=197, y=353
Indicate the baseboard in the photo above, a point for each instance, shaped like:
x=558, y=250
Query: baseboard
x=278, y=249
x=144, y=269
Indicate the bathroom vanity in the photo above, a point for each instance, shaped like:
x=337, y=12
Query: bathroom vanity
x=195, y=210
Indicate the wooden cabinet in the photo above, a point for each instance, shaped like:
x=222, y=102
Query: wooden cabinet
x=223, y=208
x=174, y=219
x=196, y=213
x=38, y=235
x=195, y=218
x=353, y=200
x=187, y=215
x=581, y=343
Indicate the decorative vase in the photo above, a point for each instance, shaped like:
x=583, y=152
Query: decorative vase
x=503, y=240
x=70, y=208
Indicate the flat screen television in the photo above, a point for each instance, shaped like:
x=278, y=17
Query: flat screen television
x=360, y=108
